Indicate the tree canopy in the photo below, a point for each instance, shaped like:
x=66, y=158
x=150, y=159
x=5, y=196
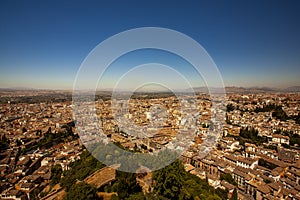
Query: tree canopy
x=227, y=177
x=81, y=191
x=173, y=182
x=56, y=172
x=80, y=169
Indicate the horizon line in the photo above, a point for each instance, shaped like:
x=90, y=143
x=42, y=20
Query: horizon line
x=152, y=90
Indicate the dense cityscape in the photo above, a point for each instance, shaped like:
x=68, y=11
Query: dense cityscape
x=149, y=100
x=256, y=156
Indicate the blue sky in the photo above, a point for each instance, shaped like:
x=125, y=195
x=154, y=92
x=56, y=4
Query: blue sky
x=253, y=43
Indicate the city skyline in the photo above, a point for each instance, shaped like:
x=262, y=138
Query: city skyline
x=252, y=43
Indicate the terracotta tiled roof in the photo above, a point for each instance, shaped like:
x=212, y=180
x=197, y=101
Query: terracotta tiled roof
x=265, y=189
x=280, y=136
x=227, y=185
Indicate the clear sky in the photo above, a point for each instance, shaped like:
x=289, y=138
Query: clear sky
x=253, y=43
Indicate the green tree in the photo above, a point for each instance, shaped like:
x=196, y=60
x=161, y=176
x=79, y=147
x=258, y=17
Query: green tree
x=4, y=143
x=80, y=169
x=227, y=177
x=34, y=194
x=298, y=119
x=266, y=164
x=81, y=191
x=168, y=181
x=114, y=197
x=135, y=196
x=173, y=182
x=24, y=130
x=56, y=172
x=230, y=107
x=18, y=142
x=126, y=184
x=222, y=193
x=250, y=134
x=267, y=181
x=234, y=195
x=280, y=114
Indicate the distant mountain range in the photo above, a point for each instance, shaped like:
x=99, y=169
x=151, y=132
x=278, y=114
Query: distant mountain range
x=231, y=89
x=262, y=89
x=18, y=89
x=293, y=89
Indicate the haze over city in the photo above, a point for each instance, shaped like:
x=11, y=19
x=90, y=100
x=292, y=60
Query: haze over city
x=253, y=43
